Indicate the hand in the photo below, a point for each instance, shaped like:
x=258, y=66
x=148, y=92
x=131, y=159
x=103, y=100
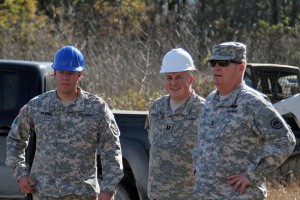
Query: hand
x=105, y=196
x=239, y=180
x=27, y=184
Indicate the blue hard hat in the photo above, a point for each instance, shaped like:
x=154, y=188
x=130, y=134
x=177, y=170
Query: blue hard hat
x=68, y=58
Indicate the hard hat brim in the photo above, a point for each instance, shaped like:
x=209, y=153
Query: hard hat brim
x=168, y=70
x=62, y=68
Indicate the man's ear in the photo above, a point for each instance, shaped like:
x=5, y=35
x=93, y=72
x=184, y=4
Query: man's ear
x=191, y=79
x=242, y=67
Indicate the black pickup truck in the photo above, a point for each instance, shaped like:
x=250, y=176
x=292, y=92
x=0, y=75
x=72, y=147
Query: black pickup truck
x=22, y=80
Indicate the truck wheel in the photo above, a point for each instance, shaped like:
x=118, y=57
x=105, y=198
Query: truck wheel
x=122, y=193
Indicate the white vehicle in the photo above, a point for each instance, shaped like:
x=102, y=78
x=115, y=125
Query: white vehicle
x=281, y=83
x=290, y=110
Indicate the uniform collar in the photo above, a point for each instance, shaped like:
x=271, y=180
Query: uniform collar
x=184, y=109
x=56, y=105
x=230, y=100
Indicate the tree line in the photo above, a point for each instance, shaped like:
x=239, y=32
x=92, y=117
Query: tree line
x=124, y=41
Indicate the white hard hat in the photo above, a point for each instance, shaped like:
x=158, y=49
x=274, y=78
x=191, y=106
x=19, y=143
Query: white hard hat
x=177, y=60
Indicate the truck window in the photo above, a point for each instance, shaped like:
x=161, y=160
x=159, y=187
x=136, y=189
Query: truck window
x=266, y=79
x=277, y=84
x=247, y=77
x=50, y=83
x=289, y=84
x=9, y=90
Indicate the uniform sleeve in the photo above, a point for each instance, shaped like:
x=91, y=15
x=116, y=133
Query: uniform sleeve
x=149, y=128
x=200, y=140
x=111, y=156
x=17, y=142
x=152, y=126
x=277, y=138
x=196, y=153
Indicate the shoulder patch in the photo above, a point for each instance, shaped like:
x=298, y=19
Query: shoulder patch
x=276, y=123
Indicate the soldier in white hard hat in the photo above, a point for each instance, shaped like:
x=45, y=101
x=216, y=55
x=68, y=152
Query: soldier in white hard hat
x=173, y=124
x=241, y=136
x=69, y=124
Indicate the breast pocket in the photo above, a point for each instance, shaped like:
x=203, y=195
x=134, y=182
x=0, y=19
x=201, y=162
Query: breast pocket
x=86, y=126
x=217, y=127
x=174, y=132
x=45, y=125
x=234, y=123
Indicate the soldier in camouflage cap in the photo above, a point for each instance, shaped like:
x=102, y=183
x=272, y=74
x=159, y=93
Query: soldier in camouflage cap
x=69, y=124
x=241, y=136
x=172, y=131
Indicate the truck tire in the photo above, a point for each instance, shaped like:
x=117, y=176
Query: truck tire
x=121, y=193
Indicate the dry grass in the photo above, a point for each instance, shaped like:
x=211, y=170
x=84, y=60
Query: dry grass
x=290, y=191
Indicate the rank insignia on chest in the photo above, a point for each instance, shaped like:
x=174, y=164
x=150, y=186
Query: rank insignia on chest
x=168, y=127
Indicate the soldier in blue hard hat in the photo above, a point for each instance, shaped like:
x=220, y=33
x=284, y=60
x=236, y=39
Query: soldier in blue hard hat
x=69, y=124
x=241, y=136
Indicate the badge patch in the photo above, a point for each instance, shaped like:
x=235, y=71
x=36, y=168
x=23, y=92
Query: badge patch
x=276, y=123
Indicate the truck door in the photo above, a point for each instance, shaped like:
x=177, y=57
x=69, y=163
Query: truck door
x=16, y=88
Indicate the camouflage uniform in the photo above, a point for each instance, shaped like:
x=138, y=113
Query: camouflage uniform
x=242, y=133
x=172, y=136
x=66, y=142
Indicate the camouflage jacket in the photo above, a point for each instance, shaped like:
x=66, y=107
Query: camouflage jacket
x=172, y=136
x=66, y=143
x=242, y=133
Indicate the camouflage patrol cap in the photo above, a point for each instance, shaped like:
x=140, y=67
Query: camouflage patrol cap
x=228, y=51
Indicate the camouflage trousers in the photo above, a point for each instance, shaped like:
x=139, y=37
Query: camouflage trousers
x=40, y=196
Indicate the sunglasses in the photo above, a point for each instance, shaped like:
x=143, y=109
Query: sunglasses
x=223, y=63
